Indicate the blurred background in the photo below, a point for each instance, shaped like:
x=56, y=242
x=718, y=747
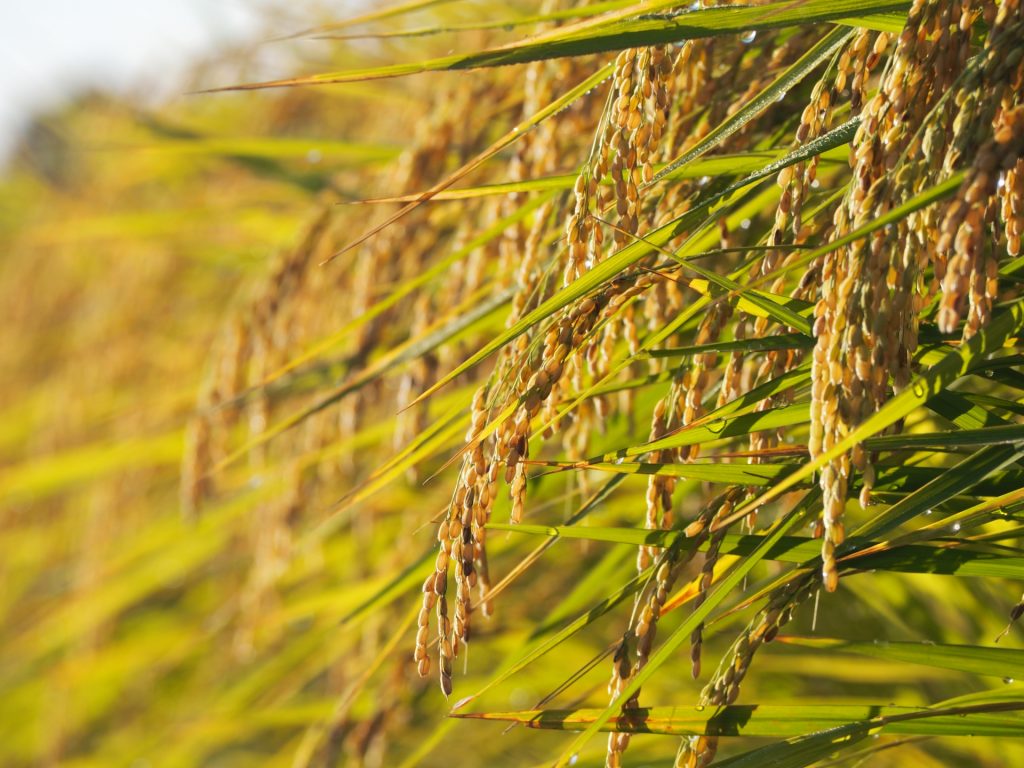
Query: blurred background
x=248, y=595
x=51, y=49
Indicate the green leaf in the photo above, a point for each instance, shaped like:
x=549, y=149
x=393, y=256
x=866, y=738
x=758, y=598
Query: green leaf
x=961, y=477
x=952, y=559
x=768, y=343
x=600, y=36
x=732, y=474
x=714, y=427
x=45, y=475
x=277, y=147
x=717, y=165
x=1000, y=435
x=775, y=720
x=389, y=12
x=978, y=660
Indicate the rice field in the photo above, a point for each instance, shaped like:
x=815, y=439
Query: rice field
x=666, y=356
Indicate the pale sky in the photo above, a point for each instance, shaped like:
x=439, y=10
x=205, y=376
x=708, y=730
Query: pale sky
x=47, y=47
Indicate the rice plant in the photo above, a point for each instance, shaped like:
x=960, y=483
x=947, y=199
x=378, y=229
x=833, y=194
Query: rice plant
x=668, y=356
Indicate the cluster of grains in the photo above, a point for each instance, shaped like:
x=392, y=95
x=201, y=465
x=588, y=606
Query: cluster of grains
x=395, y=255
x=691, y=89
x=697, y=104
x=647, y=611
x=257, y=335
x=725, y=507
x=461, y=535
x=1012, y=207
x=848, y=80
x=695, y=92
x=629, y=136
x=275, y=320
x=866, y=319
x=989, y=127
x=522, y=247
x=411, y=421
x=295, y=305
x=659, y=487
x=681, y=406
x=538, y=153
x=206, y=433
x=526, y=249
x=724, y=688
x=461, y=540
x=258, y=338
x=632, y=131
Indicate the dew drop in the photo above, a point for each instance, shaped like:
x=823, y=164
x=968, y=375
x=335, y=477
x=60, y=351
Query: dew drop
x=620, y=460
x=314, y=156
x=928, y=511
x=696, y=5
x=699, y=708
x=745, y=224
x=748, y=37
x=1008, y=680
x=703, y=181
x=956, y=527
x=573, y=759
